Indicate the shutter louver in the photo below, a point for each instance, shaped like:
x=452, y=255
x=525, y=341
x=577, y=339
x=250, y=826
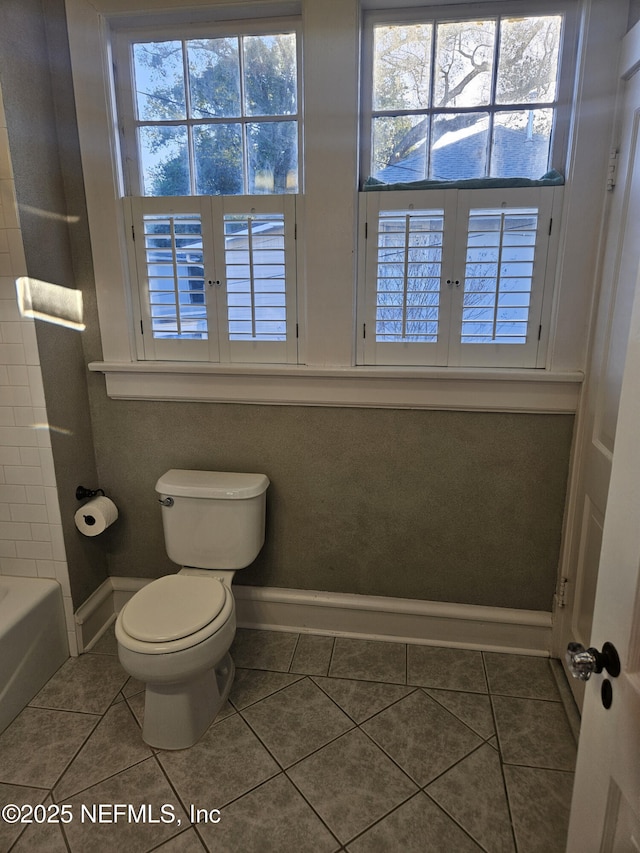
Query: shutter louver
x=255, y=272
x=408, y=275
x=498, y=275
x=174, y=258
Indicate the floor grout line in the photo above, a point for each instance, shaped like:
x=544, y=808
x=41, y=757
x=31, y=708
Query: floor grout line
x=356, y=677
x=497, y=736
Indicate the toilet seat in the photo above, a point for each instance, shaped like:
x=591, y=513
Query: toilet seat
x=173, y=607
x=174, y=613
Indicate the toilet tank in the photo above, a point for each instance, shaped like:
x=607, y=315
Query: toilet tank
x=215, y=519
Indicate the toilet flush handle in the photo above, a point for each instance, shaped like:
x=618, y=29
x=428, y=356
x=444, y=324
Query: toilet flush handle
x=166, y=501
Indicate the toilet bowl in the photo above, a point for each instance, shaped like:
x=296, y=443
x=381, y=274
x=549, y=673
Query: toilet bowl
x=176, y=632
x=175, y=635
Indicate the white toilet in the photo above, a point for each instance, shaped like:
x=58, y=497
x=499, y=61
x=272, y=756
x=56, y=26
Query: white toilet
x=175, y=633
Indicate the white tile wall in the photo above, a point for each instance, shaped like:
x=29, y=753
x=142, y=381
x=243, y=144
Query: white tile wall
x=31, y=541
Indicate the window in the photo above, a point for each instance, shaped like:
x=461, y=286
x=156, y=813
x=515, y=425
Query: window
x=210, y=141
x=463, y=98
x=214, y=116
x=331, y=361
x=456, y=277
x=459, y=276
x=216, y=277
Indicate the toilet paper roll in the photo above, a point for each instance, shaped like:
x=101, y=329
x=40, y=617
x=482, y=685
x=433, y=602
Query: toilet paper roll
x=96, y=515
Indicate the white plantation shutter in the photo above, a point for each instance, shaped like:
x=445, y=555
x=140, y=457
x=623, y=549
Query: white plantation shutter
x=502, y=251
x=172, y=240
x=409, y=272
x=174, y=257
x=406, y=319
x=216, y=278
x=259, y=274
x=498, y=277
x=455, y=277
x=256, y=284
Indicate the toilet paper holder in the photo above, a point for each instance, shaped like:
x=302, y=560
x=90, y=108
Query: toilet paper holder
x=96, y=513
x=82, y=492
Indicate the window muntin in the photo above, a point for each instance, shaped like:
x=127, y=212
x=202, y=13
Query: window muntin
x=215, y=116
x=463, y=99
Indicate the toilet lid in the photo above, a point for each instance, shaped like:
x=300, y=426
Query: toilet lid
x=173, y=607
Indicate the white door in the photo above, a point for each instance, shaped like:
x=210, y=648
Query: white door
x=601, y=399
x=605, y=814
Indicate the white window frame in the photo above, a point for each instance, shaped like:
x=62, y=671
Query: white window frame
x=436, y=13
x=449, y=350
x=328, y=373
x=219, y=346
x=123, y=42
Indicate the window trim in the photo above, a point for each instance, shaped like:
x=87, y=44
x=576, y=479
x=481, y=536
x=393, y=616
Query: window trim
x=327, y=267
x=448, y=388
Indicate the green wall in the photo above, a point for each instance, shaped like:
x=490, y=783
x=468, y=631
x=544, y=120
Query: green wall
x=448, y=506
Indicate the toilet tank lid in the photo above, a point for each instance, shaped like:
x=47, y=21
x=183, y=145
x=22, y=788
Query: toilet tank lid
x=211, y=484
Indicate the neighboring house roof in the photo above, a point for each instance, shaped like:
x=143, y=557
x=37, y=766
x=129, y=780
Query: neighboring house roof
x=461, y=154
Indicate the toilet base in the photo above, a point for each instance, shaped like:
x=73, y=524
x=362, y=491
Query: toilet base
x=177, y=715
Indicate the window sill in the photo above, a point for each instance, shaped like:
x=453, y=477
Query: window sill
x=479, y=389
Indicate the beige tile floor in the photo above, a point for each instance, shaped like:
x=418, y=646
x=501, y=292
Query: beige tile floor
x=325, y=745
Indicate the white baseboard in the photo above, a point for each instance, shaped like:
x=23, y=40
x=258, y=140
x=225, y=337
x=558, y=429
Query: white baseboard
x=401, y=620
x=94, y=615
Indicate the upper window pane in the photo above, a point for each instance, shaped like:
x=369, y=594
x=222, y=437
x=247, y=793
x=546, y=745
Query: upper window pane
x=459, y=151
x=402, y=67
x=521, y=142
x=164, y=160
x=218, y=159
x=159, y=81
x=464, y=63
x=207, y=113
x=270, y=77
x=528, y=65
x=273, y=157
x=472, y=98
x=214, y=78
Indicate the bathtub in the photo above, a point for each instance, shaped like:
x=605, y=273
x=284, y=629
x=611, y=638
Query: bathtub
x=33, y=640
